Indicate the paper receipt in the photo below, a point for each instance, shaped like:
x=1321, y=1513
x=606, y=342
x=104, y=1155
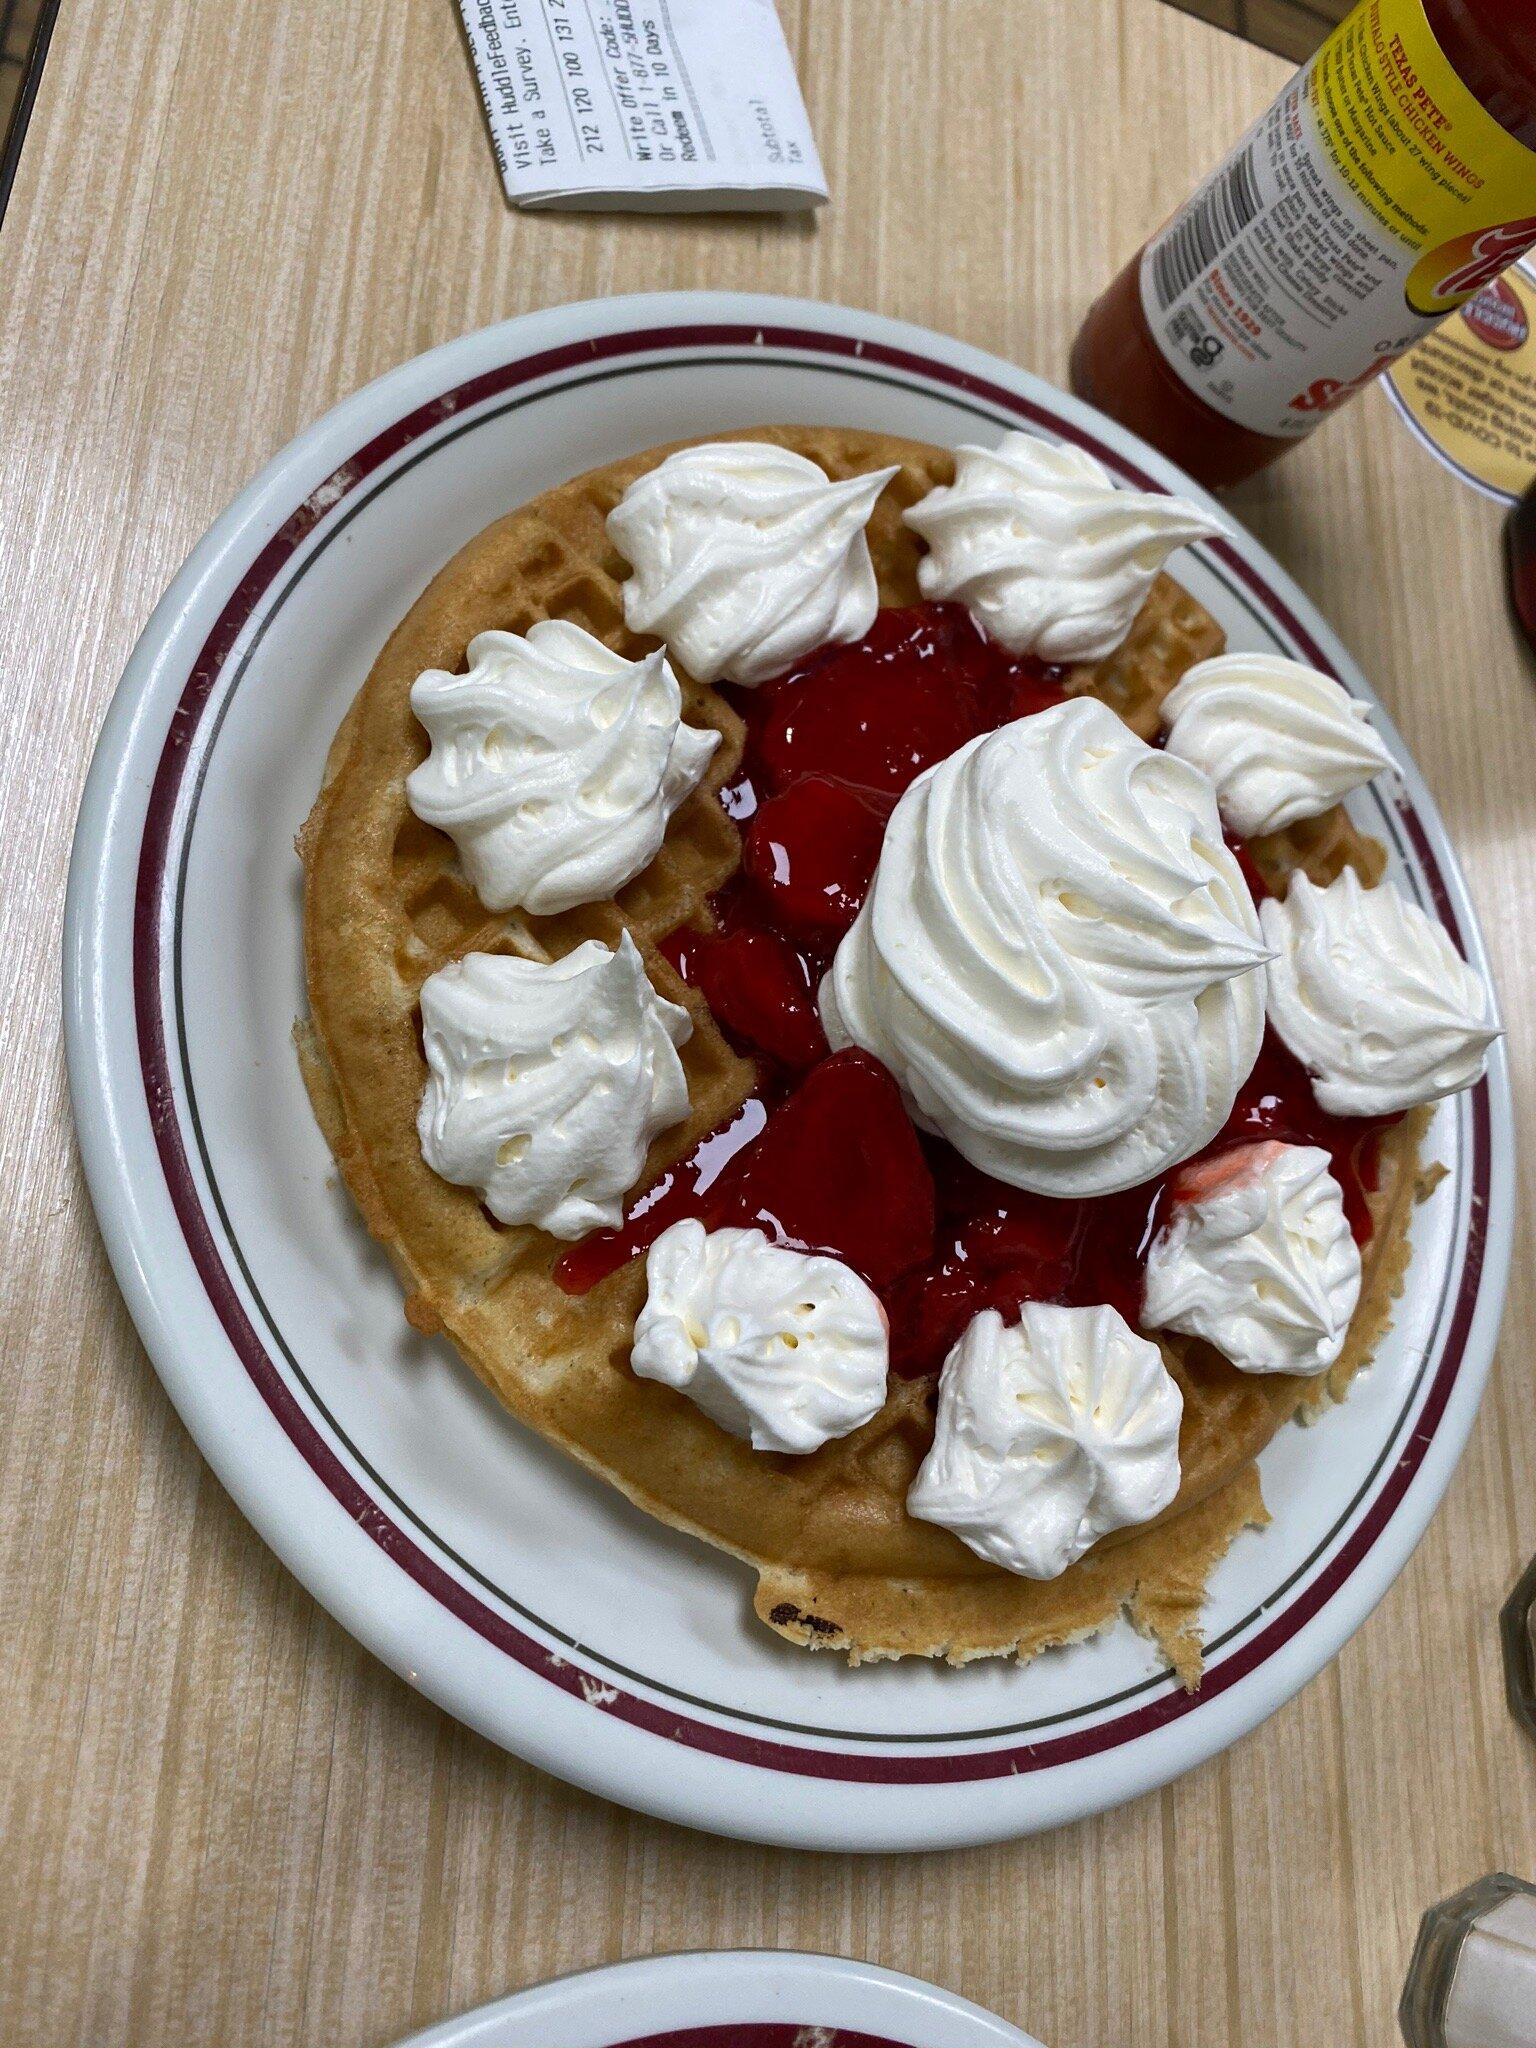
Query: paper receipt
x=653, y=105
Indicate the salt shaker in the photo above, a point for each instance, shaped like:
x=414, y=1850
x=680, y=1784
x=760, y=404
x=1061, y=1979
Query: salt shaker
x=1472, y=1981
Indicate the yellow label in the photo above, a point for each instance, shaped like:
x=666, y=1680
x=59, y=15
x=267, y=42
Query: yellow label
x=1469, y=389
x=1422, y=154
x=1373, y=198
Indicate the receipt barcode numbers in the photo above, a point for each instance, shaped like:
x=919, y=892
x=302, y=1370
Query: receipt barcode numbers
x=643, y=77
x=644, y=103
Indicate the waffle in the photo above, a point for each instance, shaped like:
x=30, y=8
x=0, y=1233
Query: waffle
x=839, y=1562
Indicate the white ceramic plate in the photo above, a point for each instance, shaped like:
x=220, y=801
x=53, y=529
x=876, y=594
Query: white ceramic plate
x=746, y=1998
x=517, y=1591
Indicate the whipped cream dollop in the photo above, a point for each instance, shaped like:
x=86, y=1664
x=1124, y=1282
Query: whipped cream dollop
x=1056, y=957
x=1372, y=997
x=547, y=1081
x=746, y=556
x=1280, y=741
x=1050, y=1432
x=786, y=1348
x=555, y=764
x=1257, y=1258
x=1046, y=554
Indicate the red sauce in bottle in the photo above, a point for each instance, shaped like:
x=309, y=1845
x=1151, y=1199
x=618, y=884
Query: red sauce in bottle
x=1237, y=329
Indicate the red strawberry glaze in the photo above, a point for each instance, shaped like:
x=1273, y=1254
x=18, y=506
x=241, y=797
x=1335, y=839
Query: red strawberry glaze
x=830, y=747
x=810, y=853
x=823, y=1154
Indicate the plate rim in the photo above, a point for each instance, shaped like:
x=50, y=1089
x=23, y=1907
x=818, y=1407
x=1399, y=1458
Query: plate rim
x=854, y=1994
x=250, y=523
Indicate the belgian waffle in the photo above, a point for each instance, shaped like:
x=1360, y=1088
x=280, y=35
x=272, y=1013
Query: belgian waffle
x=839, y=1562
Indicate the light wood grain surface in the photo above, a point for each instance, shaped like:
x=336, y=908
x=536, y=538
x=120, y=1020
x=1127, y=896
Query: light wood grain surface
x=222, y=1822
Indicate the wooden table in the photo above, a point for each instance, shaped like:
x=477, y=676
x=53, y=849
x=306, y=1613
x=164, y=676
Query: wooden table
x=1293, y=27
x=220, y=1821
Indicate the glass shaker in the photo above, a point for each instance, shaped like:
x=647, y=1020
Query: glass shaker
x=1472, y=1981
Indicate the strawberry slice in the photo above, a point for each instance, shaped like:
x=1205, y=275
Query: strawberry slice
x=920, y=683
x=879, y=729
x=761, y=989
x=811, y=852
x=839, y=1168
x=930, y=1311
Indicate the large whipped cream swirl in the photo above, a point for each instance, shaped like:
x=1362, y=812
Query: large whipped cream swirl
x=1257, y=1258
x=1043, y=550
x=1056, y=957
x=783, y=1347
x=745, y=557
x=1373, y=998
x=547, y=1081
x=1050, y=1433
x=555, y=764
x=1281, y=742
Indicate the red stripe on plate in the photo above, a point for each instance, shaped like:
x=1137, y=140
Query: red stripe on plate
x=149, y=916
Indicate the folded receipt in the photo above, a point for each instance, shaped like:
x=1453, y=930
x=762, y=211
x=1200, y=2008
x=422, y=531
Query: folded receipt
x=650, y=105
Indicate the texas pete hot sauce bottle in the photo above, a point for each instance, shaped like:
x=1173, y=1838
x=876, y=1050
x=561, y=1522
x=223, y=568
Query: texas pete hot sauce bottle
x=1393, y=178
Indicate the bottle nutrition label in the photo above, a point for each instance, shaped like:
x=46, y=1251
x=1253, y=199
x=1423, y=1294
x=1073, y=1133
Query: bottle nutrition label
x=1374, y=197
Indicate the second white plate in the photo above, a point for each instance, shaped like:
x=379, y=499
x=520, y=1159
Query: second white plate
x=734, y=1998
